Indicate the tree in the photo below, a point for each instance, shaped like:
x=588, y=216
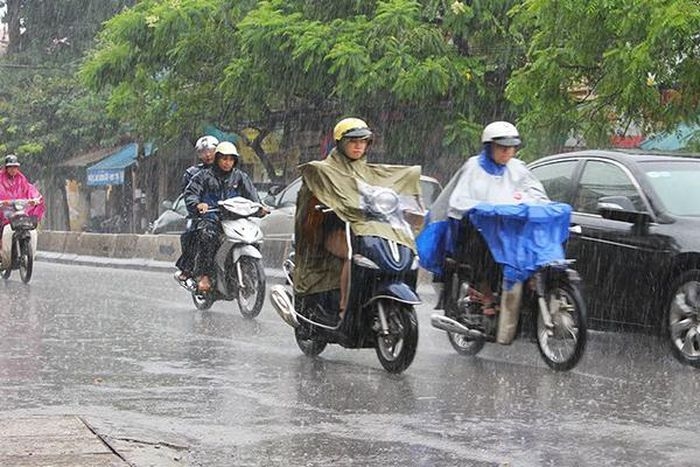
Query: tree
x=53, y=30
x=596, y=66
x=45, y=113
x=427, y=75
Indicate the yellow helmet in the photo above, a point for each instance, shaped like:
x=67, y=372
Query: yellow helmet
x=351, y=128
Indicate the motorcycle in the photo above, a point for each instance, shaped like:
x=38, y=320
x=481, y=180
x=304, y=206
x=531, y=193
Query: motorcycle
x=549, y=303
x=239, y=273
x=380, y=310
x=19, y=238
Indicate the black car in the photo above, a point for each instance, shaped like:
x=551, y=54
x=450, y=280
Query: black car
x=635, y=235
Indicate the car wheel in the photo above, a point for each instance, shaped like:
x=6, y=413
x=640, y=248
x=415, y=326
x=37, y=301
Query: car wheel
x=682, y=321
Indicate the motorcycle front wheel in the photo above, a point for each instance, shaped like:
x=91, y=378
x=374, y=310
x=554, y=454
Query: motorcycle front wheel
x=26, y=261
x=562, y=347
x=396, y=349
x=251, y=295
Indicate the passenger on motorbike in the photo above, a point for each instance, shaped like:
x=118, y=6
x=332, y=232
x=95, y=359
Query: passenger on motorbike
x=321, y=233
x=205, y=148
x=14, y=185
x=209, y=186
x=493, y=176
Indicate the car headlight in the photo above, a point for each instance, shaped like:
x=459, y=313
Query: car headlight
x=20, y=205
x=385, y=202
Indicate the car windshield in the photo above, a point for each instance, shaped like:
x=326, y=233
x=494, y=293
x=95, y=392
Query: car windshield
x=676, y=184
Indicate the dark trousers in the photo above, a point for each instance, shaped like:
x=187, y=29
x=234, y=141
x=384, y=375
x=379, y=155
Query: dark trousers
x=472, y=249
x=206, y=242
x=185, y=262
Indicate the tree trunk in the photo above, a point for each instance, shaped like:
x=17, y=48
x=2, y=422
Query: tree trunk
x=13, y=27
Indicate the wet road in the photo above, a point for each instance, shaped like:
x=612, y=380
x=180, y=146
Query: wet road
x=127, y=351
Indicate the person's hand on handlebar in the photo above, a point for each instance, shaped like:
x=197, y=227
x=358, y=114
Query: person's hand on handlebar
x=202, y=208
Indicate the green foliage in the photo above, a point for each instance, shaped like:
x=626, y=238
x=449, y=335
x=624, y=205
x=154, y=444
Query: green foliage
x=595, y=66
x=47, y=118
x=46, y=115
x=409, y=67
x=162, y=63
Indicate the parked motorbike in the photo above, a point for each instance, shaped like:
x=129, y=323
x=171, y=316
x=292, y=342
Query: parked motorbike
x=548, y=306
x=19, y=239
x=381, y=294
x=239, y=274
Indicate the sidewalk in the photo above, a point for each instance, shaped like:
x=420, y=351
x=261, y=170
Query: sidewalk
x=60, y=440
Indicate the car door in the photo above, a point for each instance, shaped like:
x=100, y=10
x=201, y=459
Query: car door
x=616, y=259
x=279, y=224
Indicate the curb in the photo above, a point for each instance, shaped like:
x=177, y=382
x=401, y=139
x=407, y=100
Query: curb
x=155, y=265
x=122, y=263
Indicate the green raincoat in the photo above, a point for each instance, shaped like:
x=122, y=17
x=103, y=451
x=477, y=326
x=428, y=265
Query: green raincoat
x=335, y=182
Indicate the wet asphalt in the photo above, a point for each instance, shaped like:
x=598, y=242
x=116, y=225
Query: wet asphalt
x=127, y=351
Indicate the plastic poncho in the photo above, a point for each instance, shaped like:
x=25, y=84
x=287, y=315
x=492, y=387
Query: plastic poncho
x=335, y=182
x=509, y=206
x=18, y=187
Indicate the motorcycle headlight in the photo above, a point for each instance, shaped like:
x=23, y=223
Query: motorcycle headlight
x=364, y=262
x=385, y=202
x=20, y=205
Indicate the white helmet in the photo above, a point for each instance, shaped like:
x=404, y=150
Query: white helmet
x=501, y=133
x=226, y=148
x=206, y=142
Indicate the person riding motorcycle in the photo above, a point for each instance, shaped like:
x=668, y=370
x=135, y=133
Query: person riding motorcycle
x=205, y=147
x=14, y=185
x=493, y=176
x=322, y=249
x=209, y=186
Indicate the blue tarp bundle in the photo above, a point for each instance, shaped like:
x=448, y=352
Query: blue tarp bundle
x=521, y=237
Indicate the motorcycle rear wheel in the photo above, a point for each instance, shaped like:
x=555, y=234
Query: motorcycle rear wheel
x=563, y=349
x=465, y=346
x=396, y=350
x=309, y=346
x=251, y=296
x=202, y=301
x=26, y=261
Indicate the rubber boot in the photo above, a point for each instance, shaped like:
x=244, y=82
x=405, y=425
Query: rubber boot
x=508, y=314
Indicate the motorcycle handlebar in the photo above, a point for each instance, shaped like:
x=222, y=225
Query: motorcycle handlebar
x=30, y=201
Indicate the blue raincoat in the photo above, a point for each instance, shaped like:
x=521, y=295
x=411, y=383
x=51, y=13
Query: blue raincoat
x=521, y=227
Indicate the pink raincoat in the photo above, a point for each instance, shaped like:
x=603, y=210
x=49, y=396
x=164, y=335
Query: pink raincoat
x=18, y=187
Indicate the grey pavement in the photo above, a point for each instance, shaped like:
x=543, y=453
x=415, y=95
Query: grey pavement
x=162, y=384
x=58, y=440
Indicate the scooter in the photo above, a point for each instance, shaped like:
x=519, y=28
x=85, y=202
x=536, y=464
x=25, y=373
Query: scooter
x=239, y=274
x=19, y=239
x=547, y=306
x=381, y=292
